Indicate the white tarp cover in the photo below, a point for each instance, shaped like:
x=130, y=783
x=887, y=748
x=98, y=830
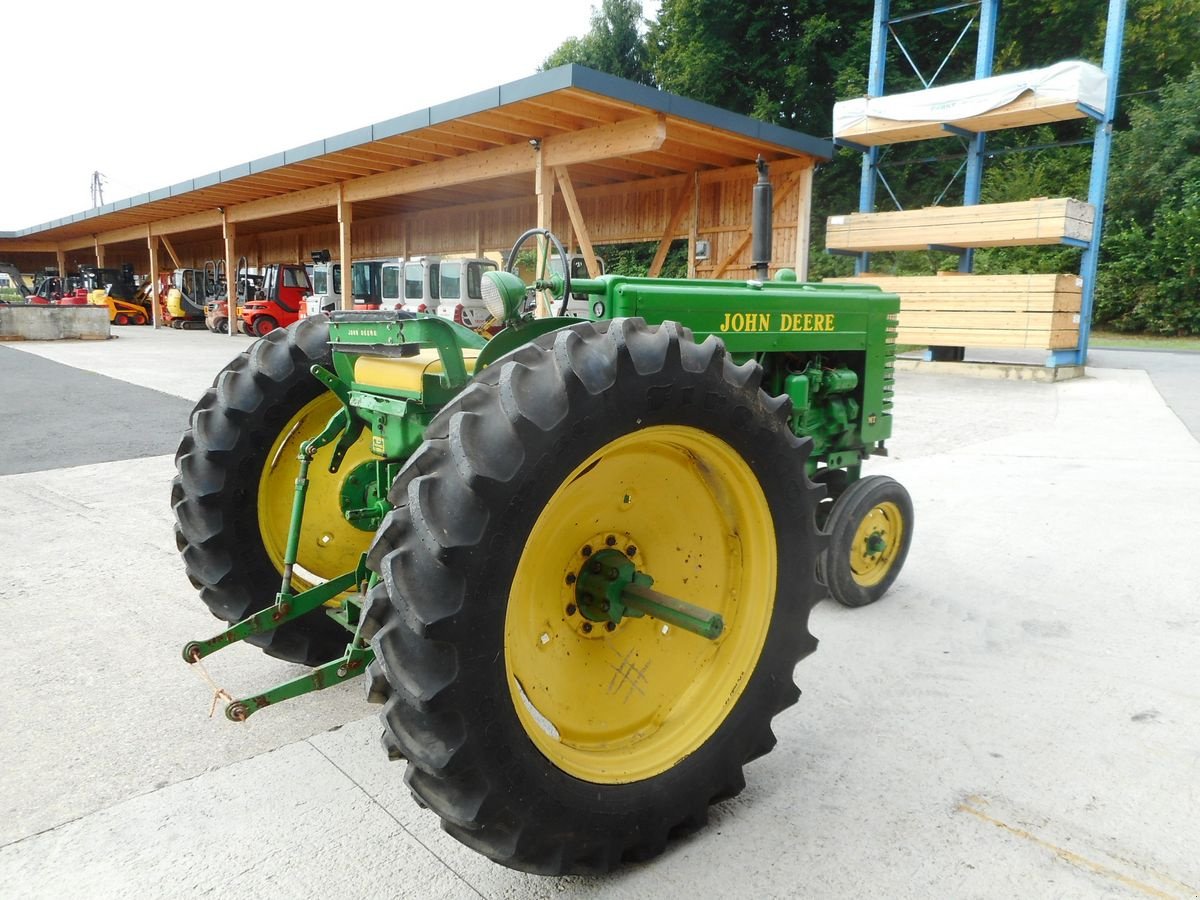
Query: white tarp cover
x=1072, y=80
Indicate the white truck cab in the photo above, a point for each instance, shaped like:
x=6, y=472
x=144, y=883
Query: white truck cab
x=326, y=276
x=419, y=285
x=460, y=295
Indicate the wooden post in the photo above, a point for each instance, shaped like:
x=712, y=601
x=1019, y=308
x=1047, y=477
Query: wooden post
x=152, y=243
x=694, y=225
x=99, y=254
x=575, y=214
x=345, y=213
x=478, y=234
x=229, y=230
x=543, y=186
x=403, y=243
x=62, y=262
x=803, y=221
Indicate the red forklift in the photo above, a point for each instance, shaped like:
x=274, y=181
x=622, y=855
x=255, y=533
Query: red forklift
x=277, y=303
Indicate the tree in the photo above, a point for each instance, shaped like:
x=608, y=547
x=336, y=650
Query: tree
x=1150, y=275
x=613, y=44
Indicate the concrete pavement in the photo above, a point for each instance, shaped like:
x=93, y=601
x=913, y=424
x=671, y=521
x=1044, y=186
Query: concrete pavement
x=1016, y=718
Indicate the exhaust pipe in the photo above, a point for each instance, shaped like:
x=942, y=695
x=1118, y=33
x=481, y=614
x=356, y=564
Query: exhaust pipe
x=760, y=224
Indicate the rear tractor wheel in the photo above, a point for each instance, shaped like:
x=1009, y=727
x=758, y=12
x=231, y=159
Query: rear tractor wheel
x=870, y=530
x=232, y=494
x=594, y=587
x=120, y=319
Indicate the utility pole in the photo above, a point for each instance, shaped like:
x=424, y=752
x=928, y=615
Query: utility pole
x=97, y=189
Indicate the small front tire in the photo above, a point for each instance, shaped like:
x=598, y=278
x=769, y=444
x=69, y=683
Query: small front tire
x=870, y=530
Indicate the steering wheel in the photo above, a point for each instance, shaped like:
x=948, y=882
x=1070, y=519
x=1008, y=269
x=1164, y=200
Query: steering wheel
x=540, y=282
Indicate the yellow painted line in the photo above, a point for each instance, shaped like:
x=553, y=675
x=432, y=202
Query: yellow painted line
x=1075, y=859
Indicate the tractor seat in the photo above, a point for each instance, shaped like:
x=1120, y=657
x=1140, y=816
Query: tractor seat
x=405, y=373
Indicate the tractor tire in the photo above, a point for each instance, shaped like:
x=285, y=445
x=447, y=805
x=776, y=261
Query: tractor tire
x=263, y=326
x=870, y=530
x=139, y=319
x=120, y=319
x=232, y=494
x=546, y=742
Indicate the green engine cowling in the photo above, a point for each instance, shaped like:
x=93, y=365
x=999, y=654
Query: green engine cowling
x=830, y=348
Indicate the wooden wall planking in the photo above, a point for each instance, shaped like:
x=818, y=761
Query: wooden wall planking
x=631, y=212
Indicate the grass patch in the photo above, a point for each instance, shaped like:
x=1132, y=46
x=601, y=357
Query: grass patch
x=1114, y=340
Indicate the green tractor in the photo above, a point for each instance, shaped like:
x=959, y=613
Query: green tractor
x=575, y=561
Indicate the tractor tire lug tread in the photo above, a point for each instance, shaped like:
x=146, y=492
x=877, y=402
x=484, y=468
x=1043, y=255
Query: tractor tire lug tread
x=446, y=692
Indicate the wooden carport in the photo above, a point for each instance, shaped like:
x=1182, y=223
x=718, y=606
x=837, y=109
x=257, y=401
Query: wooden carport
x=598, y=159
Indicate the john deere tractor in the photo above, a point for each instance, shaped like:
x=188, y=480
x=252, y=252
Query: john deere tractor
x=575, y=561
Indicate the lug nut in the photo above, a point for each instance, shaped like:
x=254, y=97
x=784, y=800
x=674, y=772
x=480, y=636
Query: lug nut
x=587, y=627
x=587, y=550
x=612, y=574
x=570, y=609
x=631, y=551
x=570, y=578
x=610, y=540
x=610, y=626
x=595, y=567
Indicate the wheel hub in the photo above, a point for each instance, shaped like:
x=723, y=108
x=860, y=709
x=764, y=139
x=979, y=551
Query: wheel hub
x=609, y=588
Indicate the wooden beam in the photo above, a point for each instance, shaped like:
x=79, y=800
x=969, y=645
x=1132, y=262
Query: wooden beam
x=345, y=213
x=634, y=136
x=804, y=179
x=285, y=204
x=693, y=225
x=152, y=246
x=478, y=229
x=229, y=233
x=170, y=248
x=780, y=196
x=209, y=218
x=575, y=214
x=543, y=186
x=99, y=254
x=682, y=204
x=61, y=257
x=28, y=246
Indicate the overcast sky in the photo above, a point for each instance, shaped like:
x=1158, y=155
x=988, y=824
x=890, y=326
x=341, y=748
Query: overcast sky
x=150, y=94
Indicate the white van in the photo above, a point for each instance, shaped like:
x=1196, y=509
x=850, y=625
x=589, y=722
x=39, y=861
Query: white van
x=460, y=295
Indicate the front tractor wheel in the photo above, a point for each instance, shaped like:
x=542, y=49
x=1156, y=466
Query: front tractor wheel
x=870, y=530
x=232, y=494
x=594, y=588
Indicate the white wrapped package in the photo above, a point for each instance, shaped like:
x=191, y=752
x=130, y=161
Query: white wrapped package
x=1070, y=81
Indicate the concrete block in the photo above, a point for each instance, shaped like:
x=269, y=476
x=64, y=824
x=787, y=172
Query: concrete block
x=54, y=323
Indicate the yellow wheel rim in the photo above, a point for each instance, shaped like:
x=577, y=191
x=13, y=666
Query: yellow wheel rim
x=329, y=545
x=876, y=541
x=621, y=706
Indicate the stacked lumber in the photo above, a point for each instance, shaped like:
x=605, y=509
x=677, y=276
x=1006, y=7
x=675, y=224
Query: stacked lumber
x=1040, y=221
x=953, y=310
x=1027, y=109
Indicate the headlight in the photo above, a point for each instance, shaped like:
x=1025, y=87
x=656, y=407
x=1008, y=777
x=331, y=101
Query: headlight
x=502, y=294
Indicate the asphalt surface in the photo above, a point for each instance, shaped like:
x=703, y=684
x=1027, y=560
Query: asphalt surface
x=53, y=416
x=1016, y=719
